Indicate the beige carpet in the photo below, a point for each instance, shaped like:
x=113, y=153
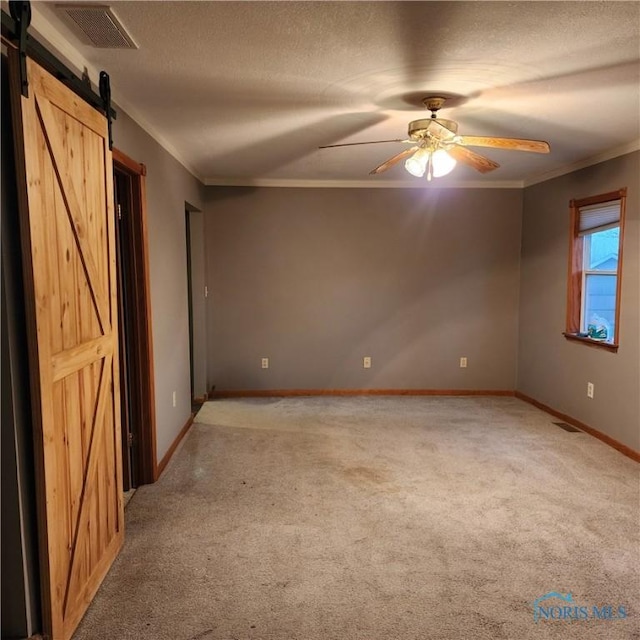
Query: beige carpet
x=378, y=518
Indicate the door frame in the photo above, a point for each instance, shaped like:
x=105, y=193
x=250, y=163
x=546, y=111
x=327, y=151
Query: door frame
x=142, y=378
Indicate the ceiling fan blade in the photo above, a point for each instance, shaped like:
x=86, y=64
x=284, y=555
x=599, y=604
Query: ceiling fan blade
x=387, y=164
x=515, y=144
x=466, y=156
x=353, y=144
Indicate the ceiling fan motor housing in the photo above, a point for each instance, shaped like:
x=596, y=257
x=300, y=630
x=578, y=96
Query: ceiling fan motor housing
x=418, y=128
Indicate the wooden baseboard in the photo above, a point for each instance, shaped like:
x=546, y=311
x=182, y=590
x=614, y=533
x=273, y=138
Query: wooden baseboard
x=622, y=448
x=174, y=445
x=287, y=393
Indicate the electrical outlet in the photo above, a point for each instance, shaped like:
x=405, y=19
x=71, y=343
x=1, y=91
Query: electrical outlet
x=265, y=363
x=590, y=389
x=463, y=363
x=173, y=398
x=366, y=362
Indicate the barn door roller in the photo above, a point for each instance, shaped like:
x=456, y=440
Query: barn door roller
x=15, y=34
x=21, y=13
x=105, y=94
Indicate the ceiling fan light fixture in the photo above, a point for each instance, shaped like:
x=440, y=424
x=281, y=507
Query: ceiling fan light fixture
x=443, y=163
x=438, y=163
x=416, y=165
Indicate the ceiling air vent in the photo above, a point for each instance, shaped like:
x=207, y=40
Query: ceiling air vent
x=96, y=25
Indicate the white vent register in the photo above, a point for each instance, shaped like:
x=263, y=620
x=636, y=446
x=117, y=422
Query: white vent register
x=96, y=25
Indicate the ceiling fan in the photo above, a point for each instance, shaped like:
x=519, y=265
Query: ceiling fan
x=437, y=147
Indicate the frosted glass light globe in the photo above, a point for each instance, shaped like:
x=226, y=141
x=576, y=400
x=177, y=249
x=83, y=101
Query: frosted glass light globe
x=442, y=163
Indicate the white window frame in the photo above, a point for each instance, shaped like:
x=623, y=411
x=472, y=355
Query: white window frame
x=594, y=272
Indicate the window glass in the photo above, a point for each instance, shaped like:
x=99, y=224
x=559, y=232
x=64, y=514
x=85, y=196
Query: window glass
x=600, y=283
x=602, y=250
x=600, y=306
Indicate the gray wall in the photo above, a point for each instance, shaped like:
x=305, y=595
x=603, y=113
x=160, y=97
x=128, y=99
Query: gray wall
x=556, y=371
x=315, y=279
x=169, y=187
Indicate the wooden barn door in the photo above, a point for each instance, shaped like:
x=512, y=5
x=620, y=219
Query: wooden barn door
x=70, y=267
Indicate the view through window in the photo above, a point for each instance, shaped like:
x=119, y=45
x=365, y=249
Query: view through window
x=593, y=301
x=601, y=251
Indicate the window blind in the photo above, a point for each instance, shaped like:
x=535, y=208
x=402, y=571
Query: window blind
x=598, y=217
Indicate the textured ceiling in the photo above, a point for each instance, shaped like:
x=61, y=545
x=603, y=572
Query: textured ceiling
x=245, y=92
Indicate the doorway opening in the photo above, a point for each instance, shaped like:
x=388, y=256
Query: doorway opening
x=139, y=461
x=187, y=223
x=196, y=294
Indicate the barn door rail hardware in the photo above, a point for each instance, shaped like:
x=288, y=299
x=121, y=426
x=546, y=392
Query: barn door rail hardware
x=15, y=34
x=21, y=14
x=105, y=94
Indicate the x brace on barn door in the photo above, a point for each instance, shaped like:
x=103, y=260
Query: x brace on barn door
x=14, y=33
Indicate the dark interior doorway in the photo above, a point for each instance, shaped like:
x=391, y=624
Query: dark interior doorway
x=196, y=400
x=139, y=463
x=197, y=294
x=130, y=427
x=190, y=301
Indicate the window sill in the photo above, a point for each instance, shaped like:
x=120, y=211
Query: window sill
x=599, y=344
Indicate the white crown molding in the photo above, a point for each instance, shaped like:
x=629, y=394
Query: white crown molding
x=44, y=31
x=616, y=152
x=359, y=184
